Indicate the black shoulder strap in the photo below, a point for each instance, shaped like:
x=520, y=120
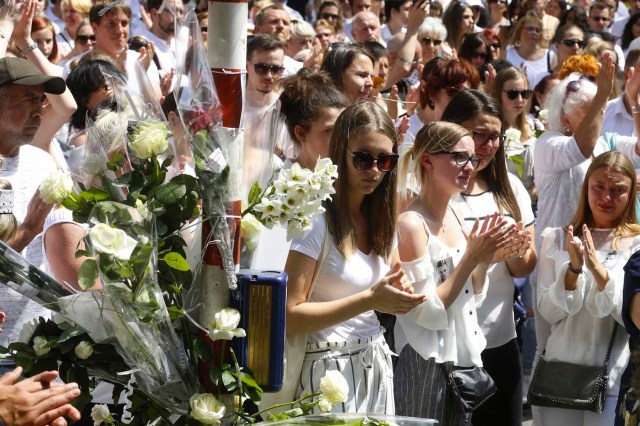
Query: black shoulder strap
x=613, y=338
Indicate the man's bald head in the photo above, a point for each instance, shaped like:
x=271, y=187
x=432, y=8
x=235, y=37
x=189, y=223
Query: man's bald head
x=366, y=26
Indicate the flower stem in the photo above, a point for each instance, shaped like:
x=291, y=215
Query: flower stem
x=287, y=404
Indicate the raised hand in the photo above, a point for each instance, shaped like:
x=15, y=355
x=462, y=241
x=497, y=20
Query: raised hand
x=591, y=261
x=417, y=14
x=22, y=28
x=605, y=78
x=575, y=249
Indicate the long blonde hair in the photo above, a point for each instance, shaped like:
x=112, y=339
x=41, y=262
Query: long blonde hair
x=509, y=74
x=627, y=225
x=434, y=137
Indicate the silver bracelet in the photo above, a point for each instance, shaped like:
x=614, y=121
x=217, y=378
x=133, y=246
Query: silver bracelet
x=29, y=49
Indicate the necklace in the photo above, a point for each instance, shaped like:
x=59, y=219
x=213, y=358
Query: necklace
x=442, y=224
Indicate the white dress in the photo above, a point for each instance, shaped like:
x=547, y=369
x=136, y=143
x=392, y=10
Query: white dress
x=582, y=320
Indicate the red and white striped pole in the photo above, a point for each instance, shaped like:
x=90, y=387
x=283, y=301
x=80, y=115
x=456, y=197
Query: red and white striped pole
x=227, y=50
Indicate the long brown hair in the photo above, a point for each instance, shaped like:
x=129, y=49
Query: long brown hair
x=509, y=74
x=465, y=106
x=378, y=208
x=627, y=225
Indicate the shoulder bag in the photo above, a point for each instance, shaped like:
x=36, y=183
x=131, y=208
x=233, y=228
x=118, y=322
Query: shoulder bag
x=571, y=386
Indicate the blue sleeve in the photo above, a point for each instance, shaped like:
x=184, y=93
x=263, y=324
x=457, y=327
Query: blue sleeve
x=631, y=287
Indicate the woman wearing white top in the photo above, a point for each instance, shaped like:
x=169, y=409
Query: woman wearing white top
x=525, y=50
x=448, y=265
x=491, y=189
x=354, y=279
x=562, y=155
x=581, y=280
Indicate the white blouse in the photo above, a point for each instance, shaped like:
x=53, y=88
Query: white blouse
x=582, y=320
x=445, y=334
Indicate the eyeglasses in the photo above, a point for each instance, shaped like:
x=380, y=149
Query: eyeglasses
x=427, y=40
x=84, y=39
x=329, y=16
x=599, y=18
x=533, y=29
x=572, y=87
x=495, y=46
x=475, y=55
x=461, y=158
x=572, y=42
x=203, y=29
x=364, y=161
x=513, y=94
x=481, y=138
x=264, y=69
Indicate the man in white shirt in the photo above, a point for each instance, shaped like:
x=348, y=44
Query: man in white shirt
x=275, y=21
x=397, y=13
x=110, y=22
x=366, y=26
x=618, y=117
x=163, y=30
x=23, y=92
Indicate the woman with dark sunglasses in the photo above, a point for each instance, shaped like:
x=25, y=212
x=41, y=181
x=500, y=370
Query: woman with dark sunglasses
x=569, y=41
x=360, y=273
x=511, y=89
x=474, y=49
x=492, y=189
x=446, y=261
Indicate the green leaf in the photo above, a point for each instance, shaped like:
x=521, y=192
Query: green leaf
x=95, y=195
x=202, y=350
x=229, y=381
x=175, y=312
x=254, y=193
x=171, y=192
x=69, y=333
x=87, y=274
x=176, y=261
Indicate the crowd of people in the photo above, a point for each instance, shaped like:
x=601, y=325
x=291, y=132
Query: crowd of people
x=485, y=211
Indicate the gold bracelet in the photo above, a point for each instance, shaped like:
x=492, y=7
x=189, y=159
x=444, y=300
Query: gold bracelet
x=635, y=109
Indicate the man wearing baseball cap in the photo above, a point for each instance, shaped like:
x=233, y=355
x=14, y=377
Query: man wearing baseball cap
x=23, y=99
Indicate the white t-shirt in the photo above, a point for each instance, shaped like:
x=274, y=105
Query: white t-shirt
x=532, y=68
x=582, y=320
x=495, y=313
x=339, y=278
x=445, y=334
x=25, y=172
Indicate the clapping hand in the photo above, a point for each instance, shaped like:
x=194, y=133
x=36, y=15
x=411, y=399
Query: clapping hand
x=518, y=245
x=589, y=250
x=483, y=241
x=393, y=294
x=575, y=249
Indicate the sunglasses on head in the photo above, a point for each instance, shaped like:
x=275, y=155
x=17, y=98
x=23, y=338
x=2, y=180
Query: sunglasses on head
x=264, y=69
x=572, y=87
x=427, y=40
x=328, y=16
x=461, y=158
x=364, y=161
x=84, y=39
x=513, y=94
x=572, y=42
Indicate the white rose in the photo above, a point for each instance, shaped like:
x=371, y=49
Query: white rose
x=324, y=405
x=40, y=346
x=543, y=116
x=56, y=187
x=225, y=325
x=100, y=413
x=105, y=239
x=206, y=408
x=149, y=138
x=513, y=135
x=251, y=229
x=84, y=350
x=334, y=387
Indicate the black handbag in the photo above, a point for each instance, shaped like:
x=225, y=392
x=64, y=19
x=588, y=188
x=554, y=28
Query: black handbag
x=470, y=387
x=571, y=386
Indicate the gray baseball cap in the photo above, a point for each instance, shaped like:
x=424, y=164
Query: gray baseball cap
x=21, y=71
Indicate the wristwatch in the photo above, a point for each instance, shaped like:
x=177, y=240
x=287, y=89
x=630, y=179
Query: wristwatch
x=33, y=46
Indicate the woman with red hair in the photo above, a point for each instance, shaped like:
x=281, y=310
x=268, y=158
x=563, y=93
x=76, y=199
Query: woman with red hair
x=43, y=33
x=441, y=79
